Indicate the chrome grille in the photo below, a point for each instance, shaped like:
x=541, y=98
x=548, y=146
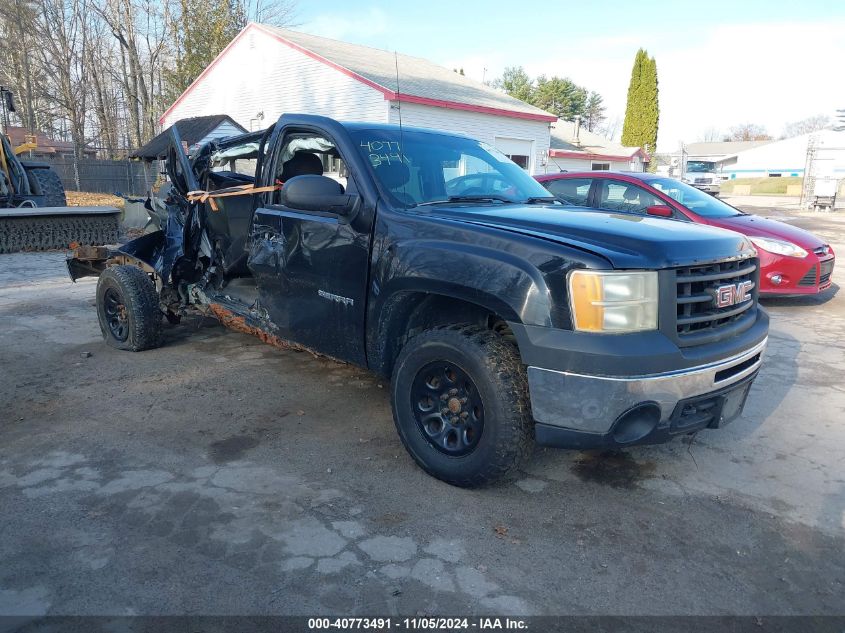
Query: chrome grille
x=699, y=319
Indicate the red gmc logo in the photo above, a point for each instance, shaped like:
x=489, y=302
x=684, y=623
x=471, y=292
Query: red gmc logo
x=732, y=294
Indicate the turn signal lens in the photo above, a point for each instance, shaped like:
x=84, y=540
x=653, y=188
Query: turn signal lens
x=611, y=301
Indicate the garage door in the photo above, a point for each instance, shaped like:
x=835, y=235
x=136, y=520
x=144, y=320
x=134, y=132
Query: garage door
x=517, y=149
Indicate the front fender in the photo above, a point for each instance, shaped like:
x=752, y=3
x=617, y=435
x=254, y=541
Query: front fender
x=409, y=271
x=499, y=281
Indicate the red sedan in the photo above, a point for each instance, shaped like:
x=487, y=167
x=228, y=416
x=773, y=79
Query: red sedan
x=792, y=260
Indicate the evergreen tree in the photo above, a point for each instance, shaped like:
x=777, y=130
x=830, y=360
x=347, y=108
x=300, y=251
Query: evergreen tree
x=562, y=97
x=202, y=30
x=593, y=112
x=558, y=95
x=642, y=114
x=516, y=82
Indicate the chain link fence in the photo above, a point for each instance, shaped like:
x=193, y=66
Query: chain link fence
x=93, y=175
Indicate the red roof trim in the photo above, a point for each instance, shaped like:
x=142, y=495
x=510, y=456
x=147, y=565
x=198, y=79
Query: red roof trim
x=389, y=95
x=560, y=153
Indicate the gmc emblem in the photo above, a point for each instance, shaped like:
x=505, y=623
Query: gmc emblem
x=732, y=294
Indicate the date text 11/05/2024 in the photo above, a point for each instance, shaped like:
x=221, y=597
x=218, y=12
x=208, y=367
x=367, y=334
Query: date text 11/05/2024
x=424, y=623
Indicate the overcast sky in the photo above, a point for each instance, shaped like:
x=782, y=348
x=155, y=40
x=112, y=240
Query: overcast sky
x=720, y=63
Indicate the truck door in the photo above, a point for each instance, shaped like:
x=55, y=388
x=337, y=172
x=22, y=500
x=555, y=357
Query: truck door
x=311, y=267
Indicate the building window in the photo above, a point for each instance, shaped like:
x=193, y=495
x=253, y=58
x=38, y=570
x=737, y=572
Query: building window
x=601, y=167
x=520, y=160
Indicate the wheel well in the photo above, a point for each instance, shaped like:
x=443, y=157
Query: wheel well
x=410, y=313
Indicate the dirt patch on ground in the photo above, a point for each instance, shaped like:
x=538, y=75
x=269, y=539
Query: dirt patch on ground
x=83, y=199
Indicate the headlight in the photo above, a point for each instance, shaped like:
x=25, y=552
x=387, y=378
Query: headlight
x=610, y=301
x=778, y=247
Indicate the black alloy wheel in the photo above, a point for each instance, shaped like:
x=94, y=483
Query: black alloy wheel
x=115, y=311
x=128, y=308
x=448, y=408
x=460, y=403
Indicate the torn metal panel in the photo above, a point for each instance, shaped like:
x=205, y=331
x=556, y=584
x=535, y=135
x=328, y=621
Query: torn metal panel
x=267, y=254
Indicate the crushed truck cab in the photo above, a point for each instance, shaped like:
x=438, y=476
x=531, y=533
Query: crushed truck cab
x=502, y=317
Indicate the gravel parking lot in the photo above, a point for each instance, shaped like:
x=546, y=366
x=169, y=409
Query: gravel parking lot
x=218, y=475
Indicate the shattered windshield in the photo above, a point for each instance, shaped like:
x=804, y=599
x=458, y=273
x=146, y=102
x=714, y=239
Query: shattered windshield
x=426, y=168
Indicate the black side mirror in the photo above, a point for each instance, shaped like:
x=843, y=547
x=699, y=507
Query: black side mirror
x=317, y=193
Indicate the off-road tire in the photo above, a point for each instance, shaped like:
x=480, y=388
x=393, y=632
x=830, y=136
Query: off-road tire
x=138, y=295
x=46, y=182
x=494, y=365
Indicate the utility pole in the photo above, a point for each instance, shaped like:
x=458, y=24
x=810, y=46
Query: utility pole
x=682, y=160
x=8, y=105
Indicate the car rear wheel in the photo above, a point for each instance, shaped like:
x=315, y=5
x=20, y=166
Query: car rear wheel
x=128, y=310
x=460, y=405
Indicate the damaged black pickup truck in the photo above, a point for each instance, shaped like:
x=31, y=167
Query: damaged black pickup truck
x=501, y=316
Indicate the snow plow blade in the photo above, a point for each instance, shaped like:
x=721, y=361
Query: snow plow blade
x=46, y=228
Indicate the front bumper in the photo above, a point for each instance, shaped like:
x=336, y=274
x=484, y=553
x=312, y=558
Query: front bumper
x=573, y=410
x=810, y=275
x=708, y=187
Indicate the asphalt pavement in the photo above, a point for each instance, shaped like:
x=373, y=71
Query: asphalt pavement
x=218, y=475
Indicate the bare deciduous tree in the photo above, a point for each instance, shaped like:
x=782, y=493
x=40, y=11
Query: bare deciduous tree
x=748, y=132
x=808, y=125
x=100, y=72
x=63, y=38
x=711, y=134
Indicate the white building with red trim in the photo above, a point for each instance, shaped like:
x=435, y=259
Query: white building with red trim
x=267, y=71
x=575, y=149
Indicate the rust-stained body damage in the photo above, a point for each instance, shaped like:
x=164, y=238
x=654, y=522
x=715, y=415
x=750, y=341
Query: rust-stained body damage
x=261, y=328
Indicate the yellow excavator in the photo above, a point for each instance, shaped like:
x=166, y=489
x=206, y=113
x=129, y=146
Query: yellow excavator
x=33, y=207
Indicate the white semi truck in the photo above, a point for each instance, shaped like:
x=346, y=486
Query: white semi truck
x=702, y=174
